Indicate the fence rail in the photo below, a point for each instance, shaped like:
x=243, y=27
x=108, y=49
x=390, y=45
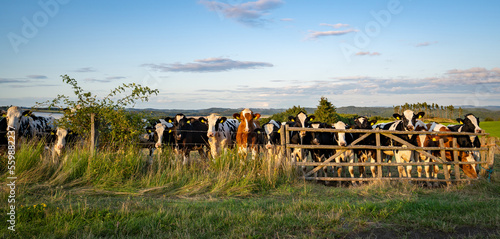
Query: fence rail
x=486, y=152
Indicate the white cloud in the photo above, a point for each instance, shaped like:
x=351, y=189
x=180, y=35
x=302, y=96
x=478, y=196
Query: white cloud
x=208, y=65
x=248, y=13
x=316, y=34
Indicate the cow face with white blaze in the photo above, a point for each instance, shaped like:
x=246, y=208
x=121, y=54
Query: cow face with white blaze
x=363, y=123
x=248, y=119
x=340, y=137
x=470, y=123
x=13, y=116
x=409, y=119
x=272, y=130
x=302, y=121
x=213, y=122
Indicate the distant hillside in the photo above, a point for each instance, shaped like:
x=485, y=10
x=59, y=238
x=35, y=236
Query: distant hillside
x=491, y=112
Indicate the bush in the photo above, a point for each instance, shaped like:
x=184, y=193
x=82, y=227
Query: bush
x=116, y=125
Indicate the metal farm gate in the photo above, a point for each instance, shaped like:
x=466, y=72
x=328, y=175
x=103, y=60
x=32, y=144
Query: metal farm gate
x=487, y=155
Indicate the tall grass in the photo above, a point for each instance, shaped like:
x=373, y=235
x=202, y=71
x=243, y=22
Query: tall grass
x=131, y=170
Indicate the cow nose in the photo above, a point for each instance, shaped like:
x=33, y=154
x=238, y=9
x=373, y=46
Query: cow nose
x=269, y=146
x=410, y=127
x=302, y=133
x=478, y=131
x=343, y=144
x=60, y=146
x=316, y=141
x=210, y=134
x=158, y=145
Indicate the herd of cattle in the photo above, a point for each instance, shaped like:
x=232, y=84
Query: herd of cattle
x=214, y=135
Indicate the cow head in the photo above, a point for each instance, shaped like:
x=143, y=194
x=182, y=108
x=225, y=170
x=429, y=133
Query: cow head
x=183, y=127
x=272, y=133
x=363, y=123
x=247, y=118
x=213, y=121
x=61, y=137
x=470, y=124
x=13, y=116
x=409, y=119
x=301, y=120
x=340, y=137
x=316, y=136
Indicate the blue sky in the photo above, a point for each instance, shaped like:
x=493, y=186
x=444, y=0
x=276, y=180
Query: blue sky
x=262, y=53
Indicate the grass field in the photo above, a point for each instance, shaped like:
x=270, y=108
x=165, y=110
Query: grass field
x=117, y=194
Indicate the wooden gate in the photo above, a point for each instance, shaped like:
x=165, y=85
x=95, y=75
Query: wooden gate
x=486, y=151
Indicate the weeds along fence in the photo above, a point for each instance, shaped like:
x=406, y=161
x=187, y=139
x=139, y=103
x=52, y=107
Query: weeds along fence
x=486, y=151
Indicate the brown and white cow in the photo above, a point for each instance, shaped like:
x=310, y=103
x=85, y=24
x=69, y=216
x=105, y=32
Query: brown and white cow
x=247, y=135
x=463, y=156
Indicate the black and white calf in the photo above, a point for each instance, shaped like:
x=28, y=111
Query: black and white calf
x=61, y=138
x=221, y=133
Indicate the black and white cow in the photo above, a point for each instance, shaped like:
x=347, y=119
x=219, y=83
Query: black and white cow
x=26, y=124
x=61, y=138
x=163, y=134
x=3, y=133
x=191, y=135
x=221, y=133
x=321, y=138
x=344, y=139
x=469, y=124
x=406, y=122
x=272, y=137
x=301, y=120
x=365, y=155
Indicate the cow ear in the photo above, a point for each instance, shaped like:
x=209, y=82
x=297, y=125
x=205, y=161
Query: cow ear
x=373, y=122
x=26, y=113
x=256, y=116
x=52, y=133
x=203, y=120
x=236, y=115
x=460, y=121
x=222, y=120
x=149, y=131
x=291, y=118
x=170, y=131
x=397, y=116
x=421, y=115
x=311, y=117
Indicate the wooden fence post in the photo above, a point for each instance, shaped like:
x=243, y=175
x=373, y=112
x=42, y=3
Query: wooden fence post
x=94, y=134
x=379, y=155
x=455, y=159
x=283, y=143
x=445, y=166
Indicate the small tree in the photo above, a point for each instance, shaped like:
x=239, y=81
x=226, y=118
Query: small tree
x=326, y=112
x=283, y=116
x=116, y=125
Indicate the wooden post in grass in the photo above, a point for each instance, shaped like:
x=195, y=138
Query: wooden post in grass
x=94, y=134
